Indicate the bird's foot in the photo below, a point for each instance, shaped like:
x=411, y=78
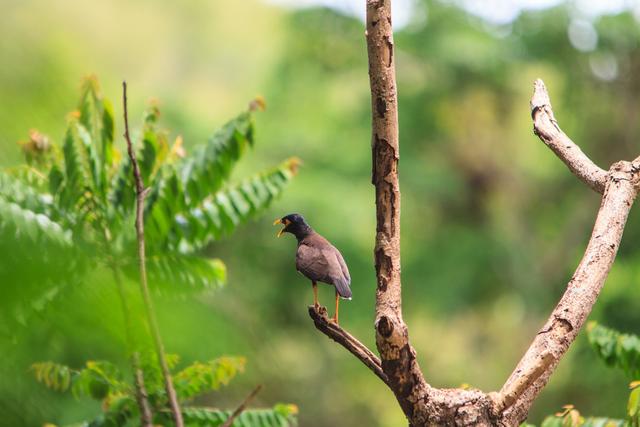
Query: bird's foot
x=334, y=319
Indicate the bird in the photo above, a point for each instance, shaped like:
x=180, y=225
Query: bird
x=317, y=259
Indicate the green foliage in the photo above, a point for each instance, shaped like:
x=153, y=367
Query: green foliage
x=222, y=212
x=84, y=194
x=98, y=379
x=199, y=378
x=279, y=416
x=81, y=195
x=23, y=224
x=633, y=405
x=570, y=417
x=177, y=273
x=102, y=381
x=53, y=375
x=616, y=349
x=205, y=171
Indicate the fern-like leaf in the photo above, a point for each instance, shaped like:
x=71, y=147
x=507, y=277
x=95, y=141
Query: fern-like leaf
x=16, y=191
x=175, y=273
x=199, y=378
x=75, y=177
x=224, y=211
x=19, y=223
x=616, y=349
x=53, y=375
x=279, y=416
x=209, y=165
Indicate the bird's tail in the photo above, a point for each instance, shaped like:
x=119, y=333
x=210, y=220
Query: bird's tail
x=342, y=286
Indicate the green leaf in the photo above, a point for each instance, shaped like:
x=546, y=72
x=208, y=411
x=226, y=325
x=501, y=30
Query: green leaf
x=633, y=405
x=209, y=165
x=19, y=223
x=199, y=378
x=90, y=155
x=223, y=212
x=98, y=380
x=108, y=130
x=16, y=191
x=174, y=273
x=53, y=375
x=616, y=349
x=210, y=417
x=122, y=194
x=75, y=178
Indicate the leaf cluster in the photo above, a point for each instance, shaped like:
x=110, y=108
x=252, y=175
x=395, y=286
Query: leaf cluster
x=102, y=381
x=617, y=350
x=78, y=197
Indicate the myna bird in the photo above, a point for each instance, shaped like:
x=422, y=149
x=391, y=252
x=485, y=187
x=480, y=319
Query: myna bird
x=317, y=259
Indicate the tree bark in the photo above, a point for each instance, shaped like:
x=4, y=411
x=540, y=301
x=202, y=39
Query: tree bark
x=392, y=335
x=398, y=367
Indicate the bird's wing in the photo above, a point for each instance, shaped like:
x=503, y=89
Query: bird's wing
x=311, y=262
x=343, y=266
x=338, y=271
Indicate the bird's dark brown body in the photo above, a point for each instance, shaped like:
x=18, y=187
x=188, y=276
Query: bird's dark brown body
x=320, y=261
x=317, y=259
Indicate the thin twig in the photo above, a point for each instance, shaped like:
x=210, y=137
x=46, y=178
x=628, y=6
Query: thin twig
x=548, y=130
x=348, y=341
x=142, y=397
x=144, y=287
x=242, y=406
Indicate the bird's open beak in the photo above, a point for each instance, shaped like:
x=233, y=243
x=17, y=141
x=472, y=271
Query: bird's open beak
x=280, y=221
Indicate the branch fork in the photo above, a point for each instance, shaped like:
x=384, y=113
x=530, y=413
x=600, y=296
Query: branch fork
x=397, y=366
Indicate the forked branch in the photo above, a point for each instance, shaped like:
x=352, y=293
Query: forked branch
x=422, y=404
x=566, y=320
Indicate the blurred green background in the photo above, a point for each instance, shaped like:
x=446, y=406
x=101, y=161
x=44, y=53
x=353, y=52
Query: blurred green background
x=493, y=224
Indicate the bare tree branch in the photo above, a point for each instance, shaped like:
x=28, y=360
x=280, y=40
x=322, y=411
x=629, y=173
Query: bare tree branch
x=514, y=390
x=399, y=361
x=345, y=339
x=242, y=407
x=144, y=286
x=583, y=289
x=398, y=368
x=546, y=127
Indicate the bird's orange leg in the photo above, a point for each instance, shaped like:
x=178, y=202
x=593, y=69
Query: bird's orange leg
x=316, y=303
x=335, y=316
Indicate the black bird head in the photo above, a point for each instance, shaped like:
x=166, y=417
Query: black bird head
x=294, y=224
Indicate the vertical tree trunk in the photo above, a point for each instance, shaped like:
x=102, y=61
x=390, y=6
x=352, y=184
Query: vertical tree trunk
x=392, y=337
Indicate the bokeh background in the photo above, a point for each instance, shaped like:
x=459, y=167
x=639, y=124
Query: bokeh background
x=493, y=224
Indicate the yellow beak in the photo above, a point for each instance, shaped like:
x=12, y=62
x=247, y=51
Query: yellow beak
x=279, y=221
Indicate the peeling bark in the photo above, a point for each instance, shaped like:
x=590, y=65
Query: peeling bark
x=398, y=367
x=392, y=336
